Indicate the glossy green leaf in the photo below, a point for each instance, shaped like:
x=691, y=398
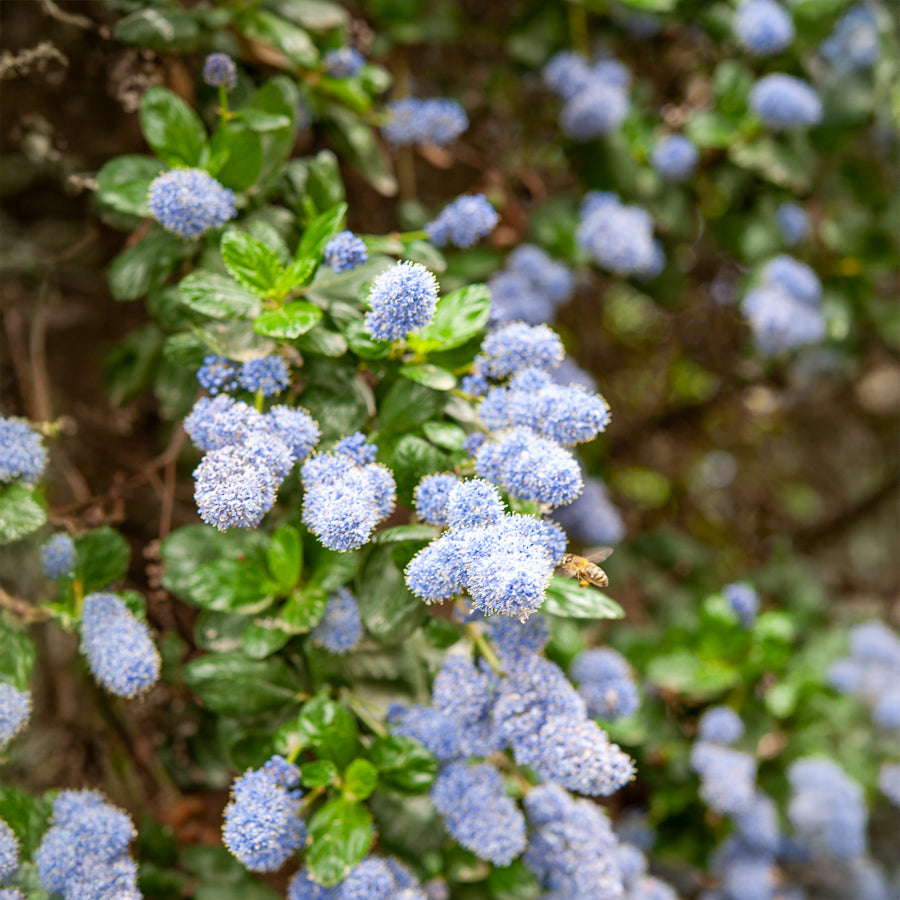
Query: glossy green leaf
x=145, y=266
x=292, y=40
x=171, y=127
x=328, y=728
x=566, y=597
x=403, y=764
x=102, y=558
x=172, y=29
x=263, y=637
x=318, y=773
x=278, y=96
x=17, y=659
x=322, y=342
x=363, y=344
x=217, y=296
x=429, y=375
x=250, y=262
x=243, y=156
x=320, y=231
x=20, y=512
x=407, y=404
x=444, y=434
x=303, y=610
x=288, y=321
x=285, y=557
x=411, y=458
x=388, y=609
x=360, y=779
x=406, y=533
x=341, y=834
x=459, y=316
x=123, y=183
x=229, y=585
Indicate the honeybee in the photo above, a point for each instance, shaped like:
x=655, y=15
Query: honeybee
x=584, y=568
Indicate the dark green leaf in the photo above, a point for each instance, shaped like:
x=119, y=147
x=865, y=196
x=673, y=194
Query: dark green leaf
x=250, y=262
x=172, y=29
x=264, y=637
x=285, y=557
x=17, y=659
x=145, y=266
x=243, y=156
x=332, y=569
x=429, y=375
x=319, y=773
x=315, y=15
x=363, y=344
x=279, y=96
x=288, y=321
x=20, y=512
x=707, y=128
x=303, y=610
x=341, y=832
x=229, y=585
x=325, y=187
x=292, y=40
x=355, y=140
x=360, y=779
x=320, y=231
x=565, y=597
x=323, y=342
x=328, y=728
x=130, y=367
x=411, y=458
x=388, y=609
x=102, y=558
x=27, y=816
x=259, y=120
x=403, y=764
x=407, y=404
x=124, y=182
x=172, y=128
x=459, y=316
x=217, y=296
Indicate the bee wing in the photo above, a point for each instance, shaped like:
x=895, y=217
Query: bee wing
x=598, y=554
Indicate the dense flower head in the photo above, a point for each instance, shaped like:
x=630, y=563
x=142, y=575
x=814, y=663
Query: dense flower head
x=783, y=101
x=219, y=70
x=793, y=223
x=886, y=710
x=356, y=447
x=268, y=374
x=764, y=27
x=9, y=852
x=756, y=825
x=188, y=202
x=341, y=628
x=530, y=288
x=464, y=222
x=343, y=62
x=473, y=502
x=345, y=251
x=514, y=640
x=592, y=517
x=797, y=278
x=84, y=854
x=218, y=373
x=675, y=157
x=262, y=827
x=295, y=427
x=302, y=887
x=618, y=237
x=727, y=777
x=478, y=813
x=435, y=729
x=58, y=556
x=855, y=41
x=720, y=725
x=118, y=647
x=566, y=73
x=414, y=121
x=461, y=689
x=745, y=873
x=402, y=299
x=597, y=109
x=431, y=496
x=233, y=489
x=22, y=455
x=546, y=276
x=519, y=346
x=780, y=322
x=744, y=600
x=631, y=862
x=604, y=681
x=222, y=422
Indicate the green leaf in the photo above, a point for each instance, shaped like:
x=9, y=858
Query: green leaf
x=407, y=404
x=710, y=129
x=303, y=610
x=387, y=607
x=230, y=684
x=146, y=265
x=411, y=458
x=315, y=15
x=27, y=816
x=566, y=597
x=20, y=512
x=278, y=96
x=289, y=321
x=444, y=434
x=686, y=673
x=250, y=262
x=363, y=344
x=328, y=728
x=229, y=585
x=429, y=375
x=243, y=154
x=217, y=296
x=360, y=779
x=292, y=40
x=319, y=773
x=173, y=29
x=406, y=533
x=323, y=342
x=459, y=316
x=403, y=764
x=324, y=184
x=285, y=557
x=355, y=141
x=260, y=120
x=17, y=659
x=172, y=128
x=332, y=569
x=341, y=832
x=123, y=183
x=320, y=231
x=102, y=558
x=264, y=637
x=659, y=6
x=297, y=273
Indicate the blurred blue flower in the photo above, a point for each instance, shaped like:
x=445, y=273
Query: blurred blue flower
x=340, y=629
x=744, y=600
x=855, y=41
x=219, y=70
x=58, y=556
x=797, y=278
x=519, y=346
x=22, y=455
x=675, y=157
x=764, y=27
x=604, y=681
x=793, y=223
x=463, y=222
x=345, y=251
x=189, y=202
x=414, y=121
x=720, y=725
x=617, y=237
x=783, y=101
x=268, y=375
x=9, y=852
x=592, y=517
x=597, y=109
x=343, y=62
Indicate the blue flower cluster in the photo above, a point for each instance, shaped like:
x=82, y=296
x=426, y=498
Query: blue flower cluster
x=720, y=725
x=744, y=600
x=592, y=517
x=638, y=884
x=414, y=121
x=675, y=157
x=343, y=62
x=872, y=672
x=785, y=309
x=188, y=202
x=727, y=776
x=262, y=827
x=855, y=42
x=604, y=681
x=219, y=70
x=518, y=346
x=345, y=499
x=595, y=94
x=22, y=455
x=464, y=222
x=402, y=299
x=619, y=237
x=530, y=288
x=783, y=101
x=15, y=708
x=764, y=27
x=340, y=629
x=118, y=647
x=793, y=223
x=248, y=455
x=58, y=556
x=9, y=852
x=889, y=782
x=345, y=251
x=218, y=374
x=267, y=374
x=375, y=878
x=84, y=854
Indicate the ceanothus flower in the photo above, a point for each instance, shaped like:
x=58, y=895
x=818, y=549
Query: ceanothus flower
x=472, y=503
x=744, y=600
x=9, y=852
x=793, y=223
x=566, y=73
x=345, y=251
x=268, y=374
x=222, y=422
x=783, y=101
x=296, y=428
x=675, y=157
x=189, y=202
x=343, y=62
x=618, y=237
x=302, y=887
x=855, y=41
x=357, y=448
x=219, y=70
x=756, y=826
x=411, y=120
x=22, y=455
x=402, y=299
x=262, y=827
x=720, y=725
x=372, y=879
x=461, y=689
x=514, y=640
x=604, y=681
x=478, y=813
x=233, y=489
x=218, y=374
x=463, y=222
x=431, y=496
x=781, y=322
x=519, y=346
x=889, y=782
x=727, y=777
x=340, y=629
x=764, y=27
x=58, y=556
x=15, y=708
x=530, y=288
x=119, y=650
x=591, y=516
x=797, y=278
x=16, y=894
x=438, y=731
x=597, y=109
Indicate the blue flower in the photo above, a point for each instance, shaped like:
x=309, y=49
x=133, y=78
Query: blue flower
x=889, y=782
x=886, y=711
x=219, y=70
x=566, y=73
x=597, y=109
x=340, y=629
x=436, y=730
x=188, y=202
x=782, y=101
x=372, y=879
x=233, y=489
x=604, y=681
x=430, y=498
x=478, y=813
x=743, y=600
x=414, y=121
x=22, y=455
x=268, y=374
x=797, y=278
x=345, y=251
x=296, y=428
x=780, y=321
x=473, y=502
x=519, y=346
x=461, y=689
x=757, y=826
x=217, y=374
x=58, y=556
x=356, y=447
x=437, y=572
x=262, y=827
x=675, y=157
x=619, y=238
x=514, y=298
x=592, y=517
x=343, y=62
x=855, y=41
x=793, y=223
x=727, y=777
x=118, y=647
x=764, y=27
x=9, y=852
x=548, y=277
x=302, y=887
x=402, y=299
x=720, y=725
x=463, y=222
x=473, y=442
x=221, y=422
x=631, y=862
x=514, y=640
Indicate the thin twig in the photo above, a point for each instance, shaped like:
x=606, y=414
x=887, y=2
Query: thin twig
x=52, y=10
